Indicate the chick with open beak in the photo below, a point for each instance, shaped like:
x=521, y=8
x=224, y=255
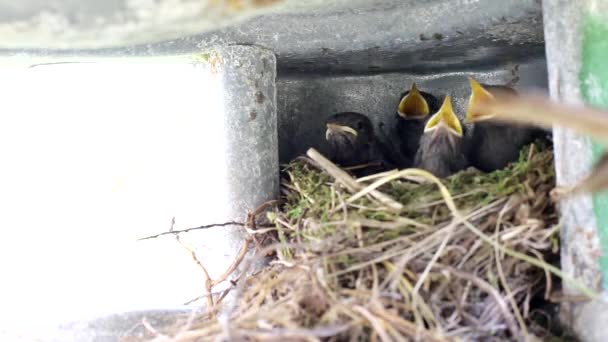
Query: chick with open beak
x=413, y=111
x=441, y=149
x=352, y=141
x=493, y=145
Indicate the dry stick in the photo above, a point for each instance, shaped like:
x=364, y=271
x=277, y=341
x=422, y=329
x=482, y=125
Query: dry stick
x=235, y=263
x=376, y=176
x=208, y=281
x=426, y=314
x=492, y=292
x=399, y=222
x=251, y=226
x=204, y=296
x=549, y=282
x=250, y=222
x=250, y=261
x=363, y=166
x=413, y=179
x=376, y=324
x=207, y=226
x=395, y=333
x=448, y=235
x=401, y=174
x=277, y=333
x=344, y=178
x=405, y=326
x=251, y=217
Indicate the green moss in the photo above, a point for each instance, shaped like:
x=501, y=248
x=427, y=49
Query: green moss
x=472, y=189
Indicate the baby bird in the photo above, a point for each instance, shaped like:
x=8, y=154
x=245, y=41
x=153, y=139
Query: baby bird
x=413, y=111
x=441, y=149
x=352, y=141
x=493, y=145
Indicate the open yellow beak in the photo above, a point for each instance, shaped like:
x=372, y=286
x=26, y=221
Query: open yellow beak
x=445, y=117
x=478, y=95
x=335, y=128
x=413, y=105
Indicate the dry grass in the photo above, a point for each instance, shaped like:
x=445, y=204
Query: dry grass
x=388, y=259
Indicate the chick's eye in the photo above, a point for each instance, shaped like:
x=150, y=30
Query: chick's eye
x=359, y=125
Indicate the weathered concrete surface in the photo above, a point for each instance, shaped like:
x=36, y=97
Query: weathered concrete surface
x=250, y=116
x=338, y=36
x=580, y=247
x=590, y=321
x=91, y=23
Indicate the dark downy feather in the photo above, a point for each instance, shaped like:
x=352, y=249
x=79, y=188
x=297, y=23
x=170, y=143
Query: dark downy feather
x=409, y=131
x=440, y=153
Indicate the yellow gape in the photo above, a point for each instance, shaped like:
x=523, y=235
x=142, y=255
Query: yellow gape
x=413, y=105
x=478, y=94
x=445, y=117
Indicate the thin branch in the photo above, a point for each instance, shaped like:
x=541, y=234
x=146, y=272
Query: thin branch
x=177, y=232
x=344, y=178
x=376, y=324
x=235, y=264
x=208, y=281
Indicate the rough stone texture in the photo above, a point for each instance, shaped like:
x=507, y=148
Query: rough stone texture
x=93, y=24
x=590, y=321
x=251, y=164
x=248, y=74
x=573, y=161
x=344, y=36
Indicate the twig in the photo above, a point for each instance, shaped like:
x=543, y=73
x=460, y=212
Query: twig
x=363, y=166
x=448, y=235
x=235, y=264
x=375, y=322
x=208, y=281
x=344, y=178
x=251, y=226
x=558, y=297
x=277, y=334
x=406, y=173
x=405, y=326
x=375, y=176
x=203, y=296
x=207, y=226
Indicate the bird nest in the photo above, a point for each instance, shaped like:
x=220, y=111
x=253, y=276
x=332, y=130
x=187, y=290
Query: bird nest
x=403, y=256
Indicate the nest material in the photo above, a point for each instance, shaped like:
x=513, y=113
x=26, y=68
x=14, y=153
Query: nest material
x=458, y=261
